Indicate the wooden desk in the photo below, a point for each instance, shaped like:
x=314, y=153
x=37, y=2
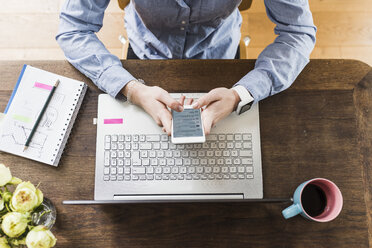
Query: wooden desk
x=317, y=128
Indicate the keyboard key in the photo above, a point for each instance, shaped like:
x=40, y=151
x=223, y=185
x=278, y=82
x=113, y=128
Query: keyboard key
x=232, y=169
x=154, y=161
x=208, y=169
x=135, y=154
x=178, y=161
x=187, y=161
x=145, y=162
x=168, y=154
x=135, y=138
x=188, y=177
x=249, y=176
x=165, y=177
x=203, y=161
x=230, y=137
x=172, y=146
x=150, y=170
x=180, y=177
x=164, y=146
x=221, y=137
x=222, y=145
x=121, y=138
x=193, y=154
x=127, y=154
x=234, y=153
x=127, y=170
x=160, y=154
x=158, y=170
x=114, y=138
x=230, y=145
x=238, y=137
x=158, y=177
x=220, y=161
x=237, y=161
x=201, y=153
x=203, y=177
x=153, y=138
x=213, y=145
x=185, y=153
x=112, y=178
x=247, y=136
x=107, y=146
x=191, y=170
x=143, y=154
x=121, y=146
x=170, y=161
x=234, y=176
x=226, y=153
x=195, y=161
x=120, y=154
x=114, y=154
x=205, y=145
x=247, y=145
x=197, y=146
x=166, y=170
x=211, y=176
x=249, y=169
x=145, y=146
x=142, y=177
x=241, y=169
x=162, y=161
x=136, y=162
x=241, y=176
x=128, y=138
x=238, y=145
x=181, y=147
x=218, y=153
x=152, y=154
x=164, y=137
x=106, y=178
x=211, y=161
x=225, y=169
x=210, y=153
x=212, y=137
x=199, y=169
x=177, y=154
x=245, y=153
x=113, y=162
x=120, y=178
x=138, y=170
x=217, y=169
x=120, y=170
x=135, y=146
x=150, y=177
x=175, y=170
x=228, y=161
x=107, y=138
x=189, y=146
x=106, y=171
x=127, y=162
x=183, y=170
x=127, y=177
x=219, y=176
x=156, y=146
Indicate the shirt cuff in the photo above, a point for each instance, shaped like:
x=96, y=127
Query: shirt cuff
x=257, y=83
x=113, y=79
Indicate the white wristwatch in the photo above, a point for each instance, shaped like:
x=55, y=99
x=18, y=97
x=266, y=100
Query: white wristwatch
x=246, y=100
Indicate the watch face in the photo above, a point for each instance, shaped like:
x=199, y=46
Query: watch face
x=245, y=108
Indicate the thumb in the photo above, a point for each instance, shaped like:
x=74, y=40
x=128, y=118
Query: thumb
x=170, y=102
x=206, y=99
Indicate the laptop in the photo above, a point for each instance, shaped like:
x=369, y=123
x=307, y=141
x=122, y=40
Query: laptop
x=136, y=161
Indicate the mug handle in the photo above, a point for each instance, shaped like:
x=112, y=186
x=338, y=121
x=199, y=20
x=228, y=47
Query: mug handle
x=292, y=210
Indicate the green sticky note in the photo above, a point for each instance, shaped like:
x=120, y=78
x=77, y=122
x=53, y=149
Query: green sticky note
x=22, y=118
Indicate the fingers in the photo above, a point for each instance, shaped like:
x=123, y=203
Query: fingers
x=189, y=101
x=166, y=121
x=165, y=98
x=207, y=99
x=207, y=120
x=182, y=100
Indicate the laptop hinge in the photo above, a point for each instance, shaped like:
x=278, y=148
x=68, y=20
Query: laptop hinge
x=174, y=197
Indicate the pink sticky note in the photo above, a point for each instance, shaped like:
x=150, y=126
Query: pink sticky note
x=113, y=121
x=43, y=86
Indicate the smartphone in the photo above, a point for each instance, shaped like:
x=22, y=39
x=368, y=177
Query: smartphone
x=187, y=126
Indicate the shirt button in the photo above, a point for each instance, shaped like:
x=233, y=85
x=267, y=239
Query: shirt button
x=183, y=22
x=182, y=28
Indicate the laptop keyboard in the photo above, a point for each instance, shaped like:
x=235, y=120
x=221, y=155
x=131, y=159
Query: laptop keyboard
x=154, y=157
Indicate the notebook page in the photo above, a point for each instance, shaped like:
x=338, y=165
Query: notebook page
x=27, y=103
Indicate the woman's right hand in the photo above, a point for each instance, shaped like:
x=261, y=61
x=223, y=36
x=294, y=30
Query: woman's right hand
x=154, y=100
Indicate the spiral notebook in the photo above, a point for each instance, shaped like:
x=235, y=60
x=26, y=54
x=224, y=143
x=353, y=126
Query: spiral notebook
x=24, y=106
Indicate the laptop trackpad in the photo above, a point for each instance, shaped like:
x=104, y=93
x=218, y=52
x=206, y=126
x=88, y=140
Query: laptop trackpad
x=175, y=197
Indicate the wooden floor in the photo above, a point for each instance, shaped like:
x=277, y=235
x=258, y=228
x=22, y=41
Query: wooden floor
x=28, y=29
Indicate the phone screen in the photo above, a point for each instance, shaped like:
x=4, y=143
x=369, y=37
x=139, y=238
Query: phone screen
x=187, y=123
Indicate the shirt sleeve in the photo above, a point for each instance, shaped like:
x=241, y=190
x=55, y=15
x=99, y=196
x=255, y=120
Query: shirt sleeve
x=281, y=62
x=79, y=21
